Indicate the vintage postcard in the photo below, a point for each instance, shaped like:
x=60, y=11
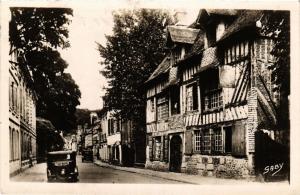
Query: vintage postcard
x=173, y=97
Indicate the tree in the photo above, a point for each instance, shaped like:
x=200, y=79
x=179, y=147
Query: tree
x=276, y=24
x=82, y=116
x=36, y=34
x=130, y=55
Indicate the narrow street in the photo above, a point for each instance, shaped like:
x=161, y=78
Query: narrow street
x=91, y=173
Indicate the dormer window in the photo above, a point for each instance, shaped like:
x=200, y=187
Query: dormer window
x=176, y=55
x=210, y=35
x=220, y=29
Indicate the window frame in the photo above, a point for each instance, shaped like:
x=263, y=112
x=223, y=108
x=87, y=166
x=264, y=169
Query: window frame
x=175, y=100
x=194, y=106
x=213, y=99
x=197, y=141
x=211, y=141
x=152, y=104
x=157, y=150
x=159, y=106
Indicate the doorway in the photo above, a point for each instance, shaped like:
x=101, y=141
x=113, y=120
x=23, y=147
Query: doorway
x=175, y=153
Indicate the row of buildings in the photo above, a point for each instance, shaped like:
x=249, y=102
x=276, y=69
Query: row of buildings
x=112, y=140
x=206, y=101
x=22, y=117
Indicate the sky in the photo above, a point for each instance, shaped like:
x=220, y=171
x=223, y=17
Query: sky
x=89, y=25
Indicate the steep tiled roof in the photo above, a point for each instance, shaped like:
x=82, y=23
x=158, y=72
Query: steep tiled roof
x=209, y=57
x=246, y=18
x=196, y=49
x=204, y=14
x=198, y=45
x=193, y=34
x=183, y=34
x=163, y=67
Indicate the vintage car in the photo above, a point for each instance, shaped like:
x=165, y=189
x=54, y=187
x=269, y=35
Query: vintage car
x=61, y=166
x=87, y=155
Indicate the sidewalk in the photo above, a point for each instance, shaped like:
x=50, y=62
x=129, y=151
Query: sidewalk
x=37, y=173
x=185, y=178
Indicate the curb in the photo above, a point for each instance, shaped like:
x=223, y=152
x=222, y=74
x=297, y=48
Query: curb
x=141, y=173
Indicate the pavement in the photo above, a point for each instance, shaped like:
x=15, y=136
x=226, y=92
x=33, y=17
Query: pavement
x=186, y=178
x=37, y=173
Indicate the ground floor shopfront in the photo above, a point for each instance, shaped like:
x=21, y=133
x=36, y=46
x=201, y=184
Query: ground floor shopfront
x=217, y=149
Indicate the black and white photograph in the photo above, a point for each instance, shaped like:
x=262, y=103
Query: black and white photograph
x=134, y=94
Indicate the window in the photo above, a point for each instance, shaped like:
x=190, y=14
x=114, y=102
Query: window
x=213, y=100
x=15, y=98
x=191, y=97
x=197, y=139
x=21, y=102
x=207, y=141
x=110, y=126
x=15, y=144
x=10, y=94
x=11, y=144
x=210, y=37
x=162, y=107
x=157, y=148
x=176, y=55
x=218, y=140
x=152, y=104
x=118, y=125
x=175, y=100
x=115, y=126
x=213, y=141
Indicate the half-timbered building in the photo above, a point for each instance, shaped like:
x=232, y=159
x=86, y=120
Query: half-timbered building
x=210, y=94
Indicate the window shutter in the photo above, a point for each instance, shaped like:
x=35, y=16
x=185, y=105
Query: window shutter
x=202, y=141
x=188, y=142
x=162, y=149
x=238, y=139
x=195, y=97
x=150, y=144
x=212, y=141
x=166, y=148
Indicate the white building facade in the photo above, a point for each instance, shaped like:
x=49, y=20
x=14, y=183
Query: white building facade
x=22, y=118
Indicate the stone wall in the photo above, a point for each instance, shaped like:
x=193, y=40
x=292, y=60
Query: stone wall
x=157, y=165
x=219, y=166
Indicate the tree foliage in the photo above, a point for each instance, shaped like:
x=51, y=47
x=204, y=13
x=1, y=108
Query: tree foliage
x=130, y=55
x=36, y=34
x=82, y=116
x=277, y=26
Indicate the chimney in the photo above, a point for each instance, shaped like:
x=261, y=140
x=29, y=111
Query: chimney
x=180, y=17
